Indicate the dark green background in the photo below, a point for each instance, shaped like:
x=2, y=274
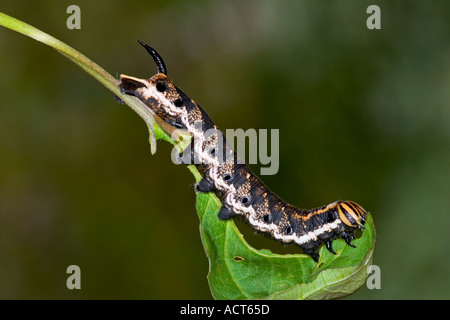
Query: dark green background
x=363, y=115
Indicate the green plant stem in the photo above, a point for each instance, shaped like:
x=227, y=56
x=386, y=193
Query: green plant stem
x=289, y=276
x=87, y=65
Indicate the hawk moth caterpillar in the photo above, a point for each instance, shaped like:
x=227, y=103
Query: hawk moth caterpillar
x=241, y=192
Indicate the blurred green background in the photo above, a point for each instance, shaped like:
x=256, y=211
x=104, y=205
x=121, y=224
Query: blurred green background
x=363, y=115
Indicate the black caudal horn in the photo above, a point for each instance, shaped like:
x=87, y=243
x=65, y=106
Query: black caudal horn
x=156, y=57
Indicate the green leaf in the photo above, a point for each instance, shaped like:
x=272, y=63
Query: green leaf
x=238, y=271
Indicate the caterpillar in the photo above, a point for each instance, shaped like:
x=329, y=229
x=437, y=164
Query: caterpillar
x=241, y=192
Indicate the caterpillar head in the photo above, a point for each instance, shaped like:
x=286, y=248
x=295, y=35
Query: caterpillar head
x=351, y=214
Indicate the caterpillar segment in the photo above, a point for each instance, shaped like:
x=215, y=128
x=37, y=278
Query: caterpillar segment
x=241, y=192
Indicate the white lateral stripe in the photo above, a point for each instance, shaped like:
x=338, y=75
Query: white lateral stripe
x=312, y=235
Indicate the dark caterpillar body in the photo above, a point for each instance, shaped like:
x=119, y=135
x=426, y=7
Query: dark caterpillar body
x=242, y=193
